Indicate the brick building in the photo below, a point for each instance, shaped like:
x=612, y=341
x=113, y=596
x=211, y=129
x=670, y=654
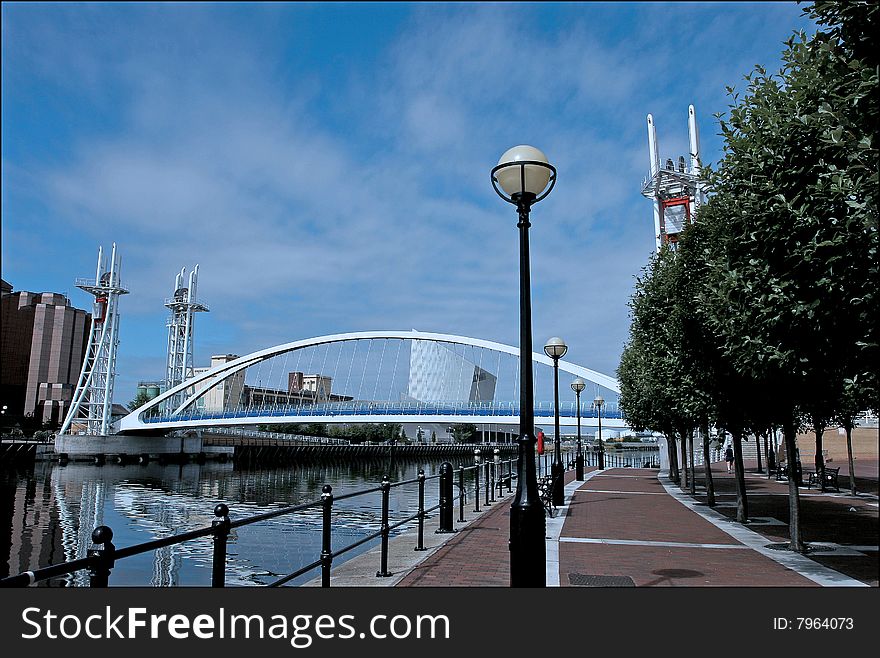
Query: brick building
x=43, y=341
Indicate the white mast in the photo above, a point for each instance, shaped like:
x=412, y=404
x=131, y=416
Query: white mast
x=94, y=390
x=653, y=153
x=183, y=304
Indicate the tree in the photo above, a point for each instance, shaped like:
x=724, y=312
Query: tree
x=139, y=400
x=464, y=432
x=793, y=212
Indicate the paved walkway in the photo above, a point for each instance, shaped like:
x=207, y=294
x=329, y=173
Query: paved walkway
x=633, y=527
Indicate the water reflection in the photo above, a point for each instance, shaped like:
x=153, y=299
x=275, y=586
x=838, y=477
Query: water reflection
x=49, y=511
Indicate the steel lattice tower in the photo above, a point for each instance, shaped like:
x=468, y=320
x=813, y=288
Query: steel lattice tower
x=183, y=305
x=675, y=188
x=93, y=397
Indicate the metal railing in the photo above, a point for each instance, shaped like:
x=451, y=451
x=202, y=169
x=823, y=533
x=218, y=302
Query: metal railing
x=487, y=409
x=102, y=556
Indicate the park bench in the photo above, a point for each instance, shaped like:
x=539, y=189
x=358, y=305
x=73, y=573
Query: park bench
x=783, y=471
x=830, y=479
x=545, y=489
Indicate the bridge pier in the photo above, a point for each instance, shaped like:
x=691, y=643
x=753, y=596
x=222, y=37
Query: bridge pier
x=124, y=449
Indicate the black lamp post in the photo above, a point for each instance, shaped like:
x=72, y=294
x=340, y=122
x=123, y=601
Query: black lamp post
x=597, y=405
x=525, y=177
x=577, y=386
x=556, y=349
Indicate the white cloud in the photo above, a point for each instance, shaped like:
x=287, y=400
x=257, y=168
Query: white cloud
x=362, y=202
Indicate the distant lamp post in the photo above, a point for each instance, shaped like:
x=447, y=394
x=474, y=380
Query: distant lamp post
x=598, y=403
x=577, y=386
x=556, y=349
x=523, y=177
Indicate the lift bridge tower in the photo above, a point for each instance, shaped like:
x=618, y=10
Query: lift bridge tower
x=93, y=398
x=183, y=306
x=675, y=187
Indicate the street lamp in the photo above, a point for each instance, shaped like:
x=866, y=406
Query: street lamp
x=577, y=386
x=525, y=177
x=556, y=349
x=597, y=405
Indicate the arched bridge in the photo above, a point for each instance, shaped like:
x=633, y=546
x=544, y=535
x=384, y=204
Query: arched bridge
x=374, y=377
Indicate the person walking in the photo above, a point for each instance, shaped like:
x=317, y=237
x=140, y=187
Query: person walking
x=728, y=457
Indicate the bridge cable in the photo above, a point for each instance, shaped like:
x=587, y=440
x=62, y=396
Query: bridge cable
x=299, y=353
x=394, y=372
x=364, y=372
x=311, y=360
x=338, y=358
x=287, y=387
x=351, y=365
x=320, y=382
x=379, y=369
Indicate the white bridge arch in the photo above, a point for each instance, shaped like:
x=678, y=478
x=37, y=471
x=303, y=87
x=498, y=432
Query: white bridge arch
x=149, y=417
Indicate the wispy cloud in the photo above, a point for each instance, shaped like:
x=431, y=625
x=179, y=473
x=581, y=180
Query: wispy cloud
x=318, y=203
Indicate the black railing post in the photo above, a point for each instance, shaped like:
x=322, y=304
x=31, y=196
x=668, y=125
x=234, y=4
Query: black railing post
x=486, y=486
x=496, y=460
x=510, y=476
x=461, y=494
x=477, y=488
x=446, y=498
x=326, y=534
x=221, y=535
x=386, y=495
x=421, y=475
x=99, y=571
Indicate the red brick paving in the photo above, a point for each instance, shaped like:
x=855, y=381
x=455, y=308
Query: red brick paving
x=619, y=504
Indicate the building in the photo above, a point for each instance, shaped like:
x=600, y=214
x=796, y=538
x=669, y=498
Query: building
x=227, y=394
x=232, y=393
x=316, y=385
x=438, y=374
x=42, y=346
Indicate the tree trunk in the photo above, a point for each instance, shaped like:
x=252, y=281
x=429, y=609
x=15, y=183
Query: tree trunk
x=767, y=445
x=673, y=460
x=690, y=440
x=684, y=462
x=707, y=466
x=849, y=456
x=820, y=459
x=758, y=449
x=794, y=499
x=742, y=503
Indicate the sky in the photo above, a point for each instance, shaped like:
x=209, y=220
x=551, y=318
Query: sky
x=327, y=164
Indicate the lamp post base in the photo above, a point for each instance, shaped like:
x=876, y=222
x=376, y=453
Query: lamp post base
x=557, y=472
x=528, y=549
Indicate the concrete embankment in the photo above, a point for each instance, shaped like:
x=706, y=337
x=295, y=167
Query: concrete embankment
x=245, y=450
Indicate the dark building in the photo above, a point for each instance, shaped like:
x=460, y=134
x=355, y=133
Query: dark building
x=43, y=341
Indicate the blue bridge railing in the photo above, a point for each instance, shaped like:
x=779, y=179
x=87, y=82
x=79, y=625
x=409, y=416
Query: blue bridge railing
x=496, y=409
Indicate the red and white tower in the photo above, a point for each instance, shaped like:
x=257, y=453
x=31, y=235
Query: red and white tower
x=674, y=186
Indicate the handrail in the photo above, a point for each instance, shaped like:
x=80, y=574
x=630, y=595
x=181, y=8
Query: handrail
x=100, y=561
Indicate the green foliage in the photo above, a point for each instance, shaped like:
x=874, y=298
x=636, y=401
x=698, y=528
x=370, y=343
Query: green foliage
x=793, y=264
x=464, y=432
x=139, y=400
x=767, y=310
x=373, y=432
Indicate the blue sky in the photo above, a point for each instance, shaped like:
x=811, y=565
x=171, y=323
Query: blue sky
x=327, y=165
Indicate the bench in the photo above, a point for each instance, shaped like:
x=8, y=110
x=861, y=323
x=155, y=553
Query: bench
x=830, y=479
x=783, y=471
x=545, y=489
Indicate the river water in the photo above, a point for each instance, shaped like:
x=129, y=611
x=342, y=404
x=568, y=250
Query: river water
x=48, y=512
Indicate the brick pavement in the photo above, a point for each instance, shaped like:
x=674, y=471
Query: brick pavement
x=625, y=526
